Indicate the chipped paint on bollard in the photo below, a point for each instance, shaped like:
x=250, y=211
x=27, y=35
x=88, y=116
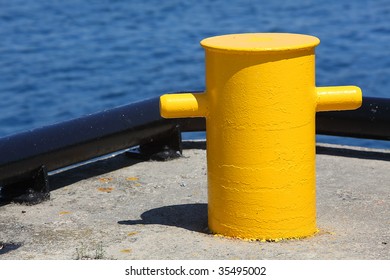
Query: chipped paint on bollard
x=260, y=104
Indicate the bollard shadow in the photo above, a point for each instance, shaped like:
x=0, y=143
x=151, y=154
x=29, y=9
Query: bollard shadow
x=352, y=153
x=192, y=217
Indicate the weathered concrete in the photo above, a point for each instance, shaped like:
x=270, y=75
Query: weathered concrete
x=125, y=209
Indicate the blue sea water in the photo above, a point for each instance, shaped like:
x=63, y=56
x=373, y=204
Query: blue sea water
x=64, y=59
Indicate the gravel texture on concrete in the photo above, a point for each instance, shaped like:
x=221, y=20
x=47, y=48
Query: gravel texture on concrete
x=122, y=208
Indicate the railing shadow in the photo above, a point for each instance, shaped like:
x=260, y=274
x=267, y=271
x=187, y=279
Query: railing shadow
x=353, y=153
x=90, y=170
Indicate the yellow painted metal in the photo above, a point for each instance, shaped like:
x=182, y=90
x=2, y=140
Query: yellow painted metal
x=338, y=98
x=260, y=103
x=183, y=105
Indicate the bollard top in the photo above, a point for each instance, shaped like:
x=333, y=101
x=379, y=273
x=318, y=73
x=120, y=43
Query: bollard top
x=260, y=42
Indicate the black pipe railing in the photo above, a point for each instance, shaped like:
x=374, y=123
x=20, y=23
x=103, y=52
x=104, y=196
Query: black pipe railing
x=371, y=121
x=63, y=144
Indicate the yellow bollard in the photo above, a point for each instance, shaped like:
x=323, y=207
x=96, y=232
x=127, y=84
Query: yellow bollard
x=260, y=103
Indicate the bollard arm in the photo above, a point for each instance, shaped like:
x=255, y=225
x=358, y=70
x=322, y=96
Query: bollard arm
x=338, y=98
x=192, y=105
x=183, y=105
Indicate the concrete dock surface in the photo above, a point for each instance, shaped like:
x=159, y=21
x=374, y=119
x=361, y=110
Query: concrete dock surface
x=123, y=208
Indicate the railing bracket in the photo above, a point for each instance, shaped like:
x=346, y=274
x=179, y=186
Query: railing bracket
x=33, y=190
x=163, y=148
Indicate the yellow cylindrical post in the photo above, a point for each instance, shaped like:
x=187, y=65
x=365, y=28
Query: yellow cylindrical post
x=260, y=103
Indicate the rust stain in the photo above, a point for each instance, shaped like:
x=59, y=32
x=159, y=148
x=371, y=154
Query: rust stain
x=106, y=190
x=127, y=251
x=105, y=180
x=132, y=179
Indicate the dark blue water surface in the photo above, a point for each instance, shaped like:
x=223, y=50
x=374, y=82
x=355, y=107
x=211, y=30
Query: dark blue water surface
x=64, y=59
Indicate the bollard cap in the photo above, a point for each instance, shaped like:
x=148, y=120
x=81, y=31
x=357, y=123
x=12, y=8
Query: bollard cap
x=260, y=42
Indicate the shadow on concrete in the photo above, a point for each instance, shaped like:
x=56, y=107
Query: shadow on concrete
x=352, y=153
x=98, y=167
x=84, y=171
x=196, y=144
x=89, y=170
x=188, y=216
x=8, y=247
x=106, y=165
